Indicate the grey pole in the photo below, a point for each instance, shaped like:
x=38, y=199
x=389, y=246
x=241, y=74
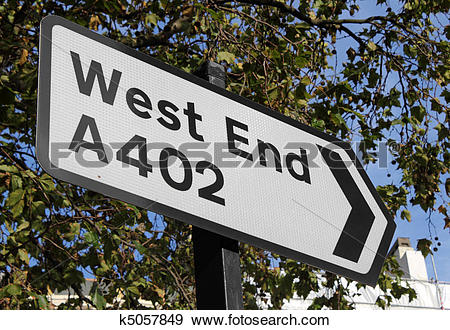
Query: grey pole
x=216, y=258
x=436, y=281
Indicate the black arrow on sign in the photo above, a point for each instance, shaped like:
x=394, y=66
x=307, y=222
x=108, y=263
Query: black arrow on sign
x=359, y=222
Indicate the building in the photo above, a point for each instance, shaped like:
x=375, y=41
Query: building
x=431, y=294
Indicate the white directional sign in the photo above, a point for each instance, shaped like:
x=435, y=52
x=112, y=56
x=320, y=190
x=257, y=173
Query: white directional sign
x=121, y=123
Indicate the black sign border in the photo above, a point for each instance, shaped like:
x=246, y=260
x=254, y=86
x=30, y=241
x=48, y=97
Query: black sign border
x=42, y=152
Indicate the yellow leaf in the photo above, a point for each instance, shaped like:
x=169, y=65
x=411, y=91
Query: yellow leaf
x=23, y=57
x=23, y=254
x=94, y=22
x=160, y=292
x=371, y=45
x=188, y=11
x=49, y=291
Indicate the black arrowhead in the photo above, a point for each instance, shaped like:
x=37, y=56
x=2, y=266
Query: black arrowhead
x=361, y=218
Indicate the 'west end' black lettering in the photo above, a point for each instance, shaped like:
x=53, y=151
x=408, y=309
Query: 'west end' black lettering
x=95, y=70
x=303, y=159
x=232, y=137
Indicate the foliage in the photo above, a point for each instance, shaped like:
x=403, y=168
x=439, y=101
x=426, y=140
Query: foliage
x=388, y=85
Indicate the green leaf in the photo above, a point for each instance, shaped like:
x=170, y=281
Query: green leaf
x=301, y=93
x=423, y=245
x=406, y=215
x=134, y=290
x=90, y=237
x=22, y=226
x=8, y=169
x=75, y=228
x=16, y=182
x=74, y=276
x=303, y=26
x=108, y=247
x=15, y=196
x=141, y=249
x=14, y=289
x=302, y=103
x=418, y=112
x=23, y=255
x=442, y=131
x=38, y=208
x=273, y=94
x=18, y=208
x=225, y=56
x=306, y=80
x=42, y=301
x=151, y=18
x=47, y=182
x=97, y=298
x=301, y=61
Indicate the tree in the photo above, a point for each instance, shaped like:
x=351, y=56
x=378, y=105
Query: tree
x=379, y=79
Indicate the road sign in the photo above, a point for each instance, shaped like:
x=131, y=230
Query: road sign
x=121, y=123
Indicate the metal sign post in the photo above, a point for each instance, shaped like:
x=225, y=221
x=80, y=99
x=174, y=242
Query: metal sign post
x=216, y=257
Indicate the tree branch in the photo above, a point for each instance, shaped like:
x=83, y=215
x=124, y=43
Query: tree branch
x=325, y=23
x=176, y=25
x=301, y=16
